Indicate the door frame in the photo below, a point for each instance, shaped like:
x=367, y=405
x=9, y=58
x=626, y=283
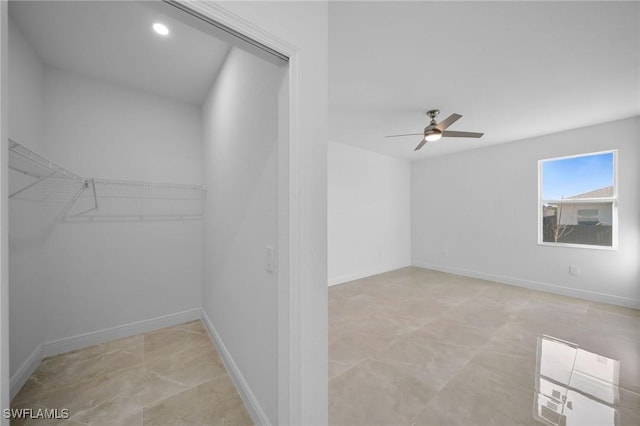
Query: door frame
x=4, y=216
x=290, y=211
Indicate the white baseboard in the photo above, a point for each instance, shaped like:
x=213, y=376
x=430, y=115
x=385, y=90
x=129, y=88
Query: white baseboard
x=258, y=415
x=344, y=278
x=19, y=378
x=534, y=285
x=84, y=340
x=107, y=334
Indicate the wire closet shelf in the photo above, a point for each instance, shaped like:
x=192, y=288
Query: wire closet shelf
x=39, y=179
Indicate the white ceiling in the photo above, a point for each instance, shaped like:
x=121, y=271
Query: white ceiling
x=114, y=41
x=514, y=70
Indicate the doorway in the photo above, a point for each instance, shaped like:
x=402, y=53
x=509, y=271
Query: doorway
x=103, y=236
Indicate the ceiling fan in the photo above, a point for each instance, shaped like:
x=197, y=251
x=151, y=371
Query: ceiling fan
x=435, y=130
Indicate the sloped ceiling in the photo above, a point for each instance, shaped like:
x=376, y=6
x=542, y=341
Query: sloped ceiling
x=114, y=41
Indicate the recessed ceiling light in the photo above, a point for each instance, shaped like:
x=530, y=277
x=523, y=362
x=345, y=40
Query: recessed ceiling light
x=161, y=29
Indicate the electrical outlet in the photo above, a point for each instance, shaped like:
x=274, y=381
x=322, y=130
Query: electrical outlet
x=574, y=270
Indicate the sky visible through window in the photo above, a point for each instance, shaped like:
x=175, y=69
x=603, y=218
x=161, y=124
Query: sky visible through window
x=567, y=177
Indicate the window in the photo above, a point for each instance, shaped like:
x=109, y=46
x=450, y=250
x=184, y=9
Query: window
x=577, y=202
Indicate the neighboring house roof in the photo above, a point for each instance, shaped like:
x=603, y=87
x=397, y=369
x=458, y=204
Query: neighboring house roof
x=605, y=192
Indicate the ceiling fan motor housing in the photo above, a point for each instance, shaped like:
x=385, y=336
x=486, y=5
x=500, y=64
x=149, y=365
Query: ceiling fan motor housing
x=431, y=126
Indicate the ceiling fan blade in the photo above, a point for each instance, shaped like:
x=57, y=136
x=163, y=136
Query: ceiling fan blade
x=450, y=134
x=448, y=121
x=421, y=144
x=407, y=134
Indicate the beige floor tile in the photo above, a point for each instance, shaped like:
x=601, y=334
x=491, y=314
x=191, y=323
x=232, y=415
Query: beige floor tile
x=381, y=326
x=407, y=347
x=419, y=309
x=620, y=322
x=432, y=362
x=215, y=402
x=132, y=345
x=337, y=367
x=410, y=288
x=48, y=422
x=28, y=394
x=515, y=340
x=518, y=369
x=117, y=411
x=517, y=295
x=83, y=395
x=117, y=383
x=154, y=388
x=626, y=351
x=348, y=309
x=353, y=288
x=629, y=408
x=471, y=343
x=77, y=366
x=477, y=396
x=351, y=350
x=194, y=326
x=376, y=392
x=188, y=368
x=561, y=324
x=452, y=331
x=452, y=294
x=541, y=300
x=172, y=340
x=482, y=313
x=469, y=411
x=615, y=309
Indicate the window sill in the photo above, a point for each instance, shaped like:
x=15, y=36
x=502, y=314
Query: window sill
x=579, y=246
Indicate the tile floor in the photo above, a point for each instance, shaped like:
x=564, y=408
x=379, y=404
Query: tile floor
x=410, y=346
x=173, y=376
x=414, y=346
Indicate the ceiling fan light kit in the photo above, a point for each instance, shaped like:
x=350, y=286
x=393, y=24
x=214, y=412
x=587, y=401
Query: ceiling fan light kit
x=434, y=130
x=432, y=135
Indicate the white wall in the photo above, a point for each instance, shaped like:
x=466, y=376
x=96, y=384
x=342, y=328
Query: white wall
x=4, y=216
x=369, y=213
x=301, y=28
x=26, y=275
x=114, y=273
x=100, y=129
x=240, y=119
x=26, y=89
x=475, y=213
x=96, y=275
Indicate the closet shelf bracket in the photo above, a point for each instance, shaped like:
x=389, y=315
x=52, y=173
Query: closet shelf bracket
x=27, y=162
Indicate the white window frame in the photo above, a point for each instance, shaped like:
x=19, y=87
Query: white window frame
x=613, y=200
